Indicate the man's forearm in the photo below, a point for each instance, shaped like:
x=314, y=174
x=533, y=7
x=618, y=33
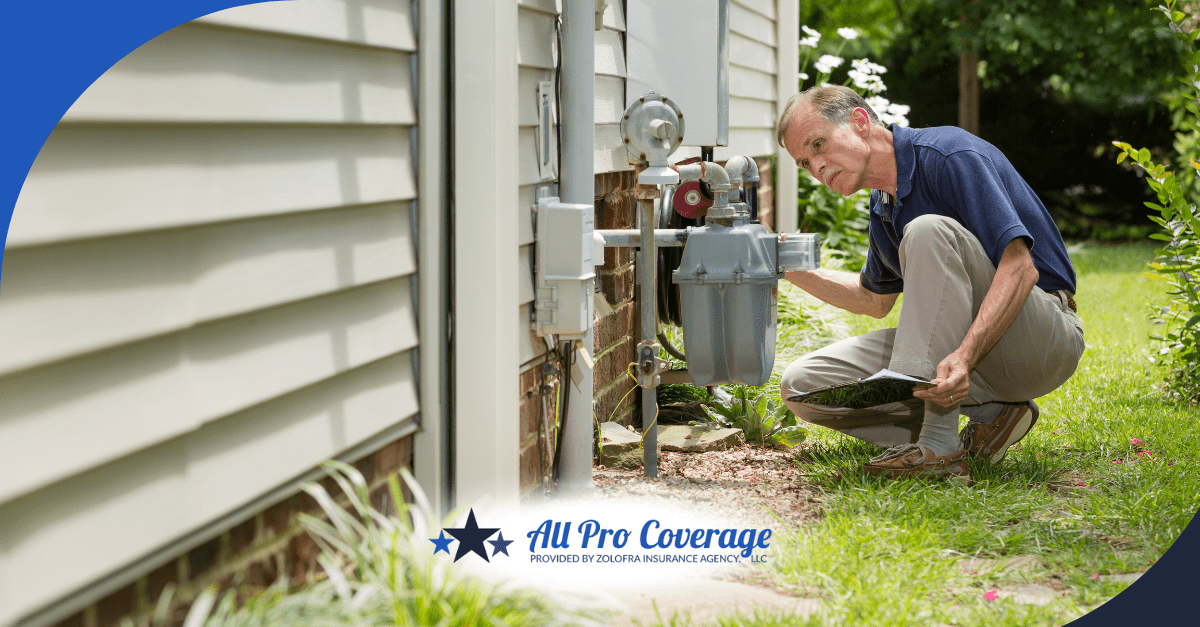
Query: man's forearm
x=1015, y=278
x=843, y=290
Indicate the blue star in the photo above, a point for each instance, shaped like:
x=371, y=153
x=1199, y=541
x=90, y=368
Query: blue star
x=442, y=543
x=470, y=538
x=499, y=545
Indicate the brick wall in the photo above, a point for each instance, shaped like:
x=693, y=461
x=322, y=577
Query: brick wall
x=766, y=192
x=615, y=333
x=250, y=556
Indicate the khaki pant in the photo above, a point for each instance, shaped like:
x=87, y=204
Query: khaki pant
x=947, y=274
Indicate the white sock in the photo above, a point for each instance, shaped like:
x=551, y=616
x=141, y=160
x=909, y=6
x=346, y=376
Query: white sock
x=939, y=432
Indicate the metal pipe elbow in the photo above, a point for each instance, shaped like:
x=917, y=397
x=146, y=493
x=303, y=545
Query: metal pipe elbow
x=741, y=168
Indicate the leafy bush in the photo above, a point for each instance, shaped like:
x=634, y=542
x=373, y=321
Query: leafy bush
x=763, y=418
x=380, y=570
x=1178, y=261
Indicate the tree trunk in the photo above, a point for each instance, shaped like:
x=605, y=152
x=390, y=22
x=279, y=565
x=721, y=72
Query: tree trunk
x=968, y=87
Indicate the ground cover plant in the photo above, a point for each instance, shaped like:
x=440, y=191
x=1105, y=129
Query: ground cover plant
x=1098, y=491
x=378, y=569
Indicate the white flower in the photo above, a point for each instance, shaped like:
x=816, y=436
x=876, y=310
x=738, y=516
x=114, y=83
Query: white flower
x=866, y=67
x=828, y=85
x=847, y=33
x=889, y=113
x=813, y=37
x=869, y=82
x=827, y=62
x=802, y=76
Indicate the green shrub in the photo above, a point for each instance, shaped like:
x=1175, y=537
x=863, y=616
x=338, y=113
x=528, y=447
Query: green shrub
x=1178, y=261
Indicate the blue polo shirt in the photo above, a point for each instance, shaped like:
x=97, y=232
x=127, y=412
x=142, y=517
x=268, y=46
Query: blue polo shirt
x=949, y=172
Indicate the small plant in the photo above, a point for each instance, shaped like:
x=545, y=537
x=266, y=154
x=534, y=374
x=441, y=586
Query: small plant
x=763, y=418
x=1178, y=261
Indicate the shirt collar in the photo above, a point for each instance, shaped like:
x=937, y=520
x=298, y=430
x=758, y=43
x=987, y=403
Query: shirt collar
x=906, y=160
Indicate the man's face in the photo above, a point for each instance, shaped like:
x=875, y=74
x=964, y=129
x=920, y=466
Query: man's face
x=835, y=155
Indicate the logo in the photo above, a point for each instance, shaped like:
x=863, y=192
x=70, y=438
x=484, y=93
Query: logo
x=648, y=540
x=470, y=539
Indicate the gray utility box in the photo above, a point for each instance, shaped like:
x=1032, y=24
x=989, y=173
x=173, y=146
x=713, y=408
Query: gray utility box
x=729, y=287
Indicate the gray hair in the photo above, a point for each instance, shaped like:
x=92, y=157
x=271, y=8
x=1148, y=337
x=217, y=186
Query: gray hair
x=833, y=103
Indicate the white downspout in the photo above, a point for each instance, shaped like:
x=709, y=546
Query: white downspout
x=787, y=24
x=577, y=186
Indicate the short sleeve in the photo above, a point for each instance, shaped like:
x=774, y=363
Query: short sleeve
x=972, y=188
x=875, y=276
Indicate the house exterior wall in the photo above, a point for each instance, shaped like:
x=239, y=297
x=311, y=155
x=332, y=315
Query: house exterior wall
x=757, y=93
x=208, y=290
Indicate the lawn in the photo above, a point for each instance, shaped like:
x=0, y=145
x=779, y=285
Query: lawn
x=1098, y=491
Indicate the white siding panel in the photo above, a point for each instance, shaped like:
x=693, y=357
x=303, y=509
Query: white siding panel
x=204, y=74
x=748, y=53
x=545, y=6
x=68, y=417
x=525, y=291
x=765, y=8
x=149, y=498
x=527, y=92
x=527, y=168
x=752, y=25
x=752, y=142
x=610, y=153
x=746, y=83
x=531, y=345
x=610, y=99
x=526, y=198
x=535, y=39
x=163, y=176
x=614, y=16
x=369, y=22
x=745, y=112
x=80, y=297
x=610, y=53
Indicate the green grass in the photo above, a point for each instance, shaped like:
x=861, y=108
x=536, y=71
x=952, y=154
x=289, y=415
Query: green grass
x=892, y=552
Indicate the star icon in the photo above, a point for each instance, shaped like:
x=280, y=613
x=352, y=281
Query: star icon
x=442, y=543
x=499, y=545
x=470, y=538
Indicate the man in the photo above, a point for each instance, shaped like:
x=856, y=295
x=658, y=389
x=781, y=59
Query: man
x=988, y=314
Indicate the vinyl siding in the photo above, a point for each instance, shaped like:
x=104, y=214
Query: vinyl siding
x=207, y=285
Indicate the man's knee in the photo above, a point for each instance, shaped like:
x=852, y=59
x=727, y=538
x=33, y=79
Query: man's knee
x=928, y=227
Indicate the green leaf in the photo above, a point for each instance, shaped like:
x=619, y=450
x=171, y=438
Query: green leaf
x=1121, y=157
x=1143, y=155
x=788, y=436
x=1153, y=205
x=1192, y=322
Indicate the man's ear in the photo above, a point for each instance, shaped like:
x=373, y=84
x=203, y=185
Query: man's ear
x=860, y=119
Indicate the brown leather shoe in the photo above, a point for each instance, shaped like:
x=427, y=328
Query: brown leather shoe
x=993, y=441
x=914, y=460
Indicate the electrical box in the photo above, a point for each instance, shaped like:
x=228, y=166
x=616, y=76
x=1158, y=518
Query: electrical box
x=563, y=298
x=680, y=49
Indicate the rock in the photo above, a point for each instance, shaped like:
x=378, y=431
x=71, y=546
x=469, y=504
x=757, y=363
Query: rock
x=1123, y=577
x=1017, y=563
x=697, y=439
x=1031, y=594
x=620, y=447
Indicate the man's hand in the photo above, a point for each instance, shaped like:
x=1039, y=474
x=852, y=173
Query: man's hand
x=952, y=384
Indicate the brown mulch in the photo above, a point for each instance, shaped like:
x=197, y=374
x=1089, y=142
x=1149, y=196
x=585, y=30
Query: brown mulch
x=747, y=483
